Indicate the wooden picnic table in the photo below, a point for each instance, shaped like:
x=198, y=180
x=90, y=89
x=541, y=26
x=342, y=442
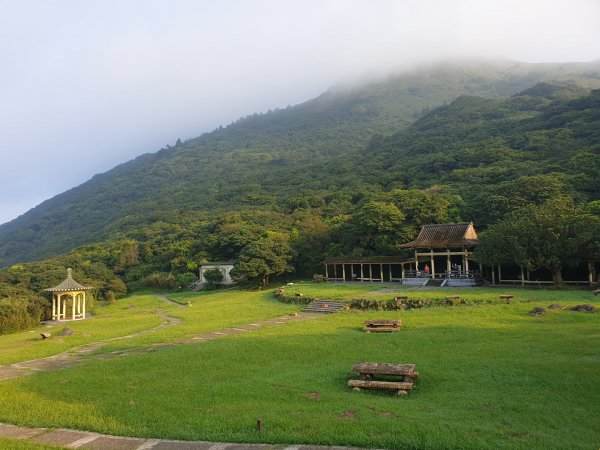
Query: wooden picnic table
x=379, y=326
x=505, y=296
x=405, y=375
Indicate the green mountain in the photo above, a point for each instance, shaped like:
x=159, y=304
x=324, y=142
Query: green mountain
x=349, y=143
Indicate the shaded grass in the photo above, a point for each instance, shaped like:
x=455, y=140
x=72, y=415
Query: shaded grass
x=382, y=291
x=492, y=377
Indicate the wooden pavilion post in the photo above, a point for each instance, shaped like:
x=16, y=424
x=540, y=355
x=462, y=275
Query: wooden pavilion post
x=326, y=271
x=432, y=265
x=416, y=263
x=448, y=263
x=493, y=274
x=362, y=273
x=522, y=276
x=381, y=271
x=344, y=271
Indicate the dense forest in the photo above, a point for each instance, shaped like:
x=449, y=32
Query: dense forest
x=355, y=171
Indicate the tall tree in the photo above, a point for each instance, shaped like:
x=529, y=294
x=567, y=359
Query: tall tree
x=553, y=235
x=262, y=258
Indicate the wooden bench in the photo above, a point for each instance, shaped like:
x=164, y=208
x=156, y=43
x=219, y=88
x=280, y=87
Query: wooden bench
x=382, y=326
x=405, y=375
x=452, y=297
x=597, y=292
x=505, y=296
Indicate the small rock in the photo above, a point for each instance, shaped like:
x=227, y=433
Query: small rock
x=45, y=335
x=537, y=311
x=555, y=306
x=313, y=395
x=584, y=308
x=66, y=331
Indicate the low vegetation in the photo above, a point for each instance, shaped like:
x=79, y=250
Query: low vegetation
x=492, y=376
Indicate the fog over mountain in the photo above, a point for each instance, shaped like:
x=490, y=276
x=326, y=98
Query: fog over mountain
x=88, y=85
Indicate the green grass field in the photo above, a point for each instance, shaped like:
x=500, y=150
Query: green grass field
x=492, y=376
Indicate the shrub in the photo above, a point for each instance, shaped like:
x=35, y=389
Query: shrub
x=21, y=313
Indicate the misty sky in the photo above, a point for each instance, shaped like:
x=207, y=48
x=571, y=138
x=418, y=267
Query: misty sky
x=88, y=84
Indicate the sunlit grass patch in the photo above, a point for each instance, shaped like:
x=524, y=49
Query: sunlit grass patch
x=491, y=376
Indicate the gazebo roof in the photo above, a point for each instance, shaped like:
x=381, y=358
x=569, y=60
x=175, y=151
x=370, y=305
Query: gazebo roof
x=445, y=235
x=69, y=285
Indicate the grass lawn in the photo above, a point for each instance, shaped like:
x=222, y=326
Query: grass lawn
x=127, y=316
x=492, y=376
x=15, y=444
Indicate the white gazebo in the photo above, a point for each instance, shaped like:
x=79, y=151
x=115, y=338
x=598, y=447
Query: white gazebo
x=74, y=290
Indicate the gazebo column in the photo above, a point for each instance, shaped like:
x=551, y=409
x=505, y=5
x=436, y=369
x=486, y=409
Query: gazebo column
x=326, y=271
x=493, y=275
x=466, y=262
x=362, y=273
x=403, y=272
x=83, y=306
x=74, y=297
x=416, y=264
x=448, y=263
x=334, y=270
x=432, y=265
x=344, y=271
x=381, y=271
x=53, y=307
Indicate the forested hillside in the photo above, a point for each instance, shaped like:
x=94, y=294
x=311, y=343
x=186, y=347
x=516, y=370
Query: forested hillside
x=328, y=154
x=279, y=192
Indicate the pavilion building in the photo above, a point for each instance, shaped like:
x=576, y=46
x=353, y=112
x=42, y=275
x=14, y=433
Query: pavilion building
x=443, y=256
x=68, y=289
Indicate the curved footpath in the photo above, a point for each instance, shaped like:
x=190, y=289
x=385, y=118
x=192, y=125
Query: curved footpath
x=88, y=440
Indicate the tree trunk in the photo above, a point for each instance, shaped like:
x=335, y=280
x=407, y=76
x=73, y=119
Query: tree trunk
x=557, y=276
x=265, y=280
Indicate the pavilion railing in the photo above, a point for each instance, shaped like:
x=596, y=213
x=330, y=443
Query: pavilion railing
x=445, y=274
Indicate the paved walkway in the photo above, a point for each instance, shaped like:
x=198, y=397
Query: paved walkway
x=87, y=440
x=86, y=352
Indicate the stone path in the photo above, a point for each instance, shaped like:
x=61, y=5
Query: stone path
x=87, y=352
x=88, y=440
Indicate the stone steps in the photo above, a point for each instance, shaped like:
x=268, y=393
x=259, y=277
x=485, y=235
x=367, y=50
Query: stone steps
x=324, y=306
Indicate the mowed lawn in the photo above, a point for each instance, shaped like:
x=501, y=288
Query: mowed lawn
x=492, y=376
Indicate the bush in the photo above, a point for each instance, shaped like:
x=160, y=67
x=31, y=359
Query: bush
x=159, y=280
x=21, y=313
x=317, y=278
